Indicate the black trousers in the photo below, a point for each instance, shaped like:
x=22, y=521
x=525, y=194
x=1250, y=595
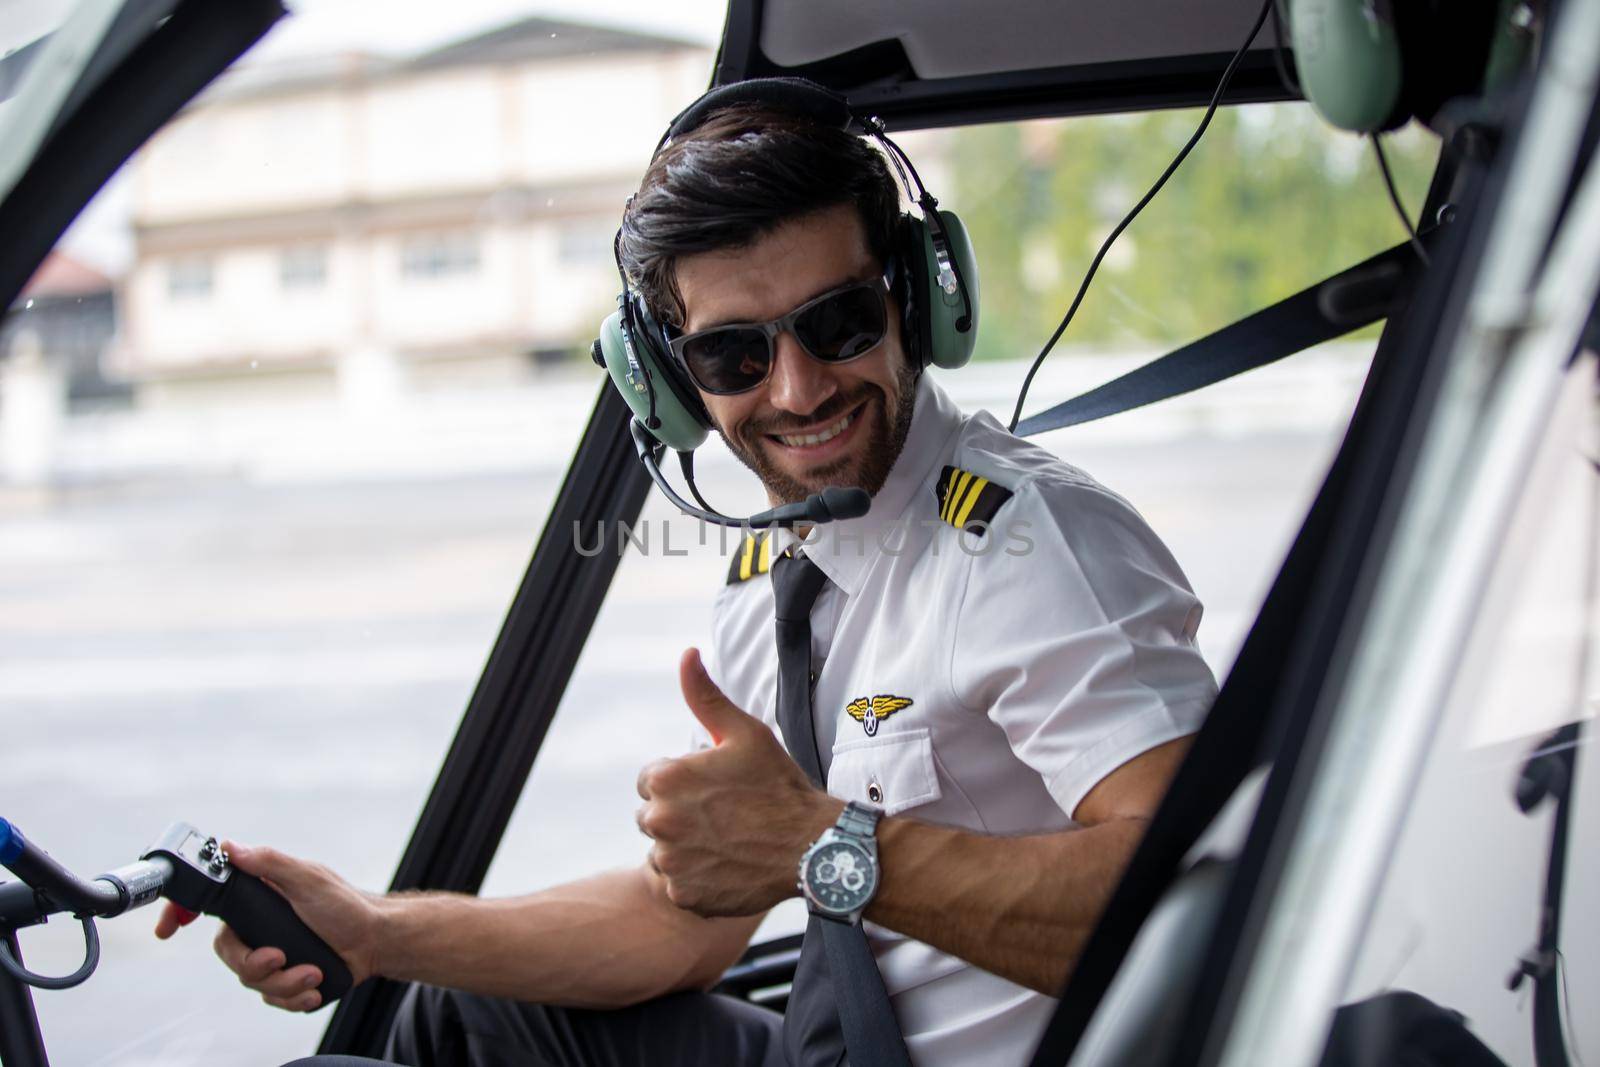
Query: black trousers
x=446, y=1028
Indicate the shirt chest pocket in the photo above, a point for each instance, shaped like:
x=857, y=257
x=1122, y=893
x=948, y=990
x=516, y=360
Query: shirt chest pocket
x=893, y=771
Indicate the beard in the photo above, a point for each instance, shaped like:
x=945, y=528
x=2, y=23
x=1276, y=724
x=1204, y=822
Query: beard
x=868, y=468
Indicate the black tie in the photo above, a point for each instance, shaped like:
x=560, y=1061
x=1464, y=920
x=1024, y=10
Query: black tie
x=838, y=1001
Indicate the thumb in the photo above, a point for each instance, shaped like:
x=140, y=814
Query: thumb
x=285, y=873
x=720, y=716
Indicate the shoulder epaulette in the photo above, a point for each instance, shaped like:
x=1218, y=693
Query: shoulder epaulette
x=753, y=558
x=968, y=501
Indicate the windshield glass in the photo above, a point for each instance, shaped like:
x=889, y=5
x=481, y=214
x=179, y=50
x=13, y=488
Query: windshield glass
x=1484, y=928
x=280, y=420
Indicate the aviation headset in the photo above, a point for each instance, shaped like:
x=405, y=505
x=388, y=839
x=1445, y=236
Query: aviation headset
x=935, y=278
x=1372, y=65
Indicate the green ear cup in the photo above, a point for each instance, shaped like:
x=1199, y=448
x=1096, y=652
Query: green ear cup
x=1371, y=67
x=1349, y=62
x=627, y=365
x=946, y=345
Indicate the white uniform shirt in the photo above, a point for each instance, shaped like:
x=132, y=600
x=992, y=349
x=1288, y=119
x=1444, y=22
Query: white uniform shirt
x=1036, y=658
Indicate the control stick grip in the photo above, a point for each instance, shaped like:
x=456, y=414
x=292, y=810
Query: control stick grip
x=201, y=879
x=261, y=916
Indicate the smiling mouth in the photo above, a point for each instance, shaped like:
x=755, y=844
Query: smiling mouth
x=828, y=433
x=805, y=440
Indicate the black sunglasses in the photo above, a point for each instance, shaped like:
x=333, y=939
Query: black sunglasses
x=836, y=327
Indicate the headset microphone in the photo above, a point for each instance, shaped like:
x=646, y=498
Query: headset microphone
x=835, y=503
x=830, y=505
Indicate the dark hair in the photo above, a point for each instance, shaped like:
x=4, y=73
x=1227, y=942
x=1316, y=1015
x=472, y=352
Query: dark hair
x=737, y=177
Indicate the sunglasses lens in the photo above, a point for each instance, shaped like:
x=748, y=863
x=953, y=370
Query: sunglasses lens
x=728, y=360
x=732, y=359
x=844, y=325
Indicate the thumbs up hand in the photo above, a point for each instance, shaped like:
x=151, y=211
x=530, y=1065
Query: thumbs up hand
x=722, y=718
x=729, y=823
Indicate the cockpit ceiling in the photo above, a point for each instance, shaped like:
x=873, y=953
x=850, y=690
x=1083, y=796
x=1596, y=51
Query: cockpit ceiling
x=946, y=62
x=963, y=38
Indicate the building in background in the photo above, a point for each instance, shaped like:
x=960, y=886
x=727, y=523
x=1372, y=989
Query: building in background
x=390, y=224
x=66, y=316
x=52, y=343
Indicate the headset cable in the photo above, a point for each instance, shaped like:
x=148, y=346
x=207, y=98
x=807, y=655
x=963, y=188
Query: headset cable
x=1177, y=161
x=1394, y=198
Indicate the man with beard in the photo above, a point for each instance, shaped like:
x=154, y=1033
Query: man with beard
x=999, y=658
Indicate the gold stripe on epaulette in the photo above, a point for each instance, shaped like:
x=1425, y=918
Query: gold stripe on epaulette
x=968, y=501
x=753, y=558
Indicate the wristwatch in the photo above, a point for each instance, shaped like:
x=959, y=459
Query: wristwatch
x=839, y=873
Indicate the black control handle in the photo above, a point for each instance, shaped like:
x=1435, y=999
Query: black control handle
x=204, y=881
x=261, y=916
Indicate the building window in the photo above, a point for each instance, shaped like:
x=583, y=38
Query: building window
x=189, y=279
x=303, y=267
x=586, y=244
x=439, y=255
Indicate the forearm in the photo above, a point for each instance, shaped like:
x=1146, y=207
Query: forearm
x=1019, y=907
x=606, y=941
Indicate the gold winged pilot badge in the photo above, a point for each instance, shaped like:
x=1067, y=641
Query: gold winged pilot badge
x=871, y=712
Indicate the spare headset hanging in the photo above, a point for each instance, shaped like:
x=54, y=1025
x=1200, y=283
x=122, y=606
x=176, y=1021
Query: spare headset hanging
x=938, y=303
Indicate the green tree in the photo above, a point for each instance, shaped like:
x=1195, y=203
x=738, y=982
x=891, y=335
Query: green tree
x=1270, y=200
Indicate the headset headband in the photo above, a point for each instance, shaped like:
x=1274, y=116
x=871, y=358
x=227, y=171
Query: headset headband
x=799, y=96
x=809, y=99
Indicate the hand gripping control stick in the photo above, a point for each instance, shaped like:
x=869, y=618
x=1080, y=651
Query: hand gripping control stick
x=204, y=881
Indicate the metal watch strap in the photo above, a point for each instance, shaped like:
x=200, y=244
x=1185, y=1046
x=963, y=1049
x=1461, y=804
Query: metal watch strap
x=859, y=820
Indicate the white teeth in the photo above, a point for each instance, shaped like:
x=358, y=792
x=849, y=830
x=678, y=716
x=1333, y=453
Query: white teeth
x=805, y=440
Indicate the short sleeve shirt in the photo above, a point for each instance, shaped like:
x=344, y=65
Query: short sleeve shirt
x=981, y=676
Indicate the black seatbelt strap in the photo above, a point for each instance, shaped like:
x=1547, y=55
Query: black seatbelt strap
x=1349, y=300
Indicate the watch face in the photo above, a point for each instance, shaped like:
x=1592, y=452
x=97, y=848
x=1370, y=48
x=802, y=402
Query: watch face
x=840, y=877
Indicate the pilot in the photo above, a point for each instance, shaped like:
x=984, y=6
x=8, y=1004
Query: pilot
x=948, y=719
